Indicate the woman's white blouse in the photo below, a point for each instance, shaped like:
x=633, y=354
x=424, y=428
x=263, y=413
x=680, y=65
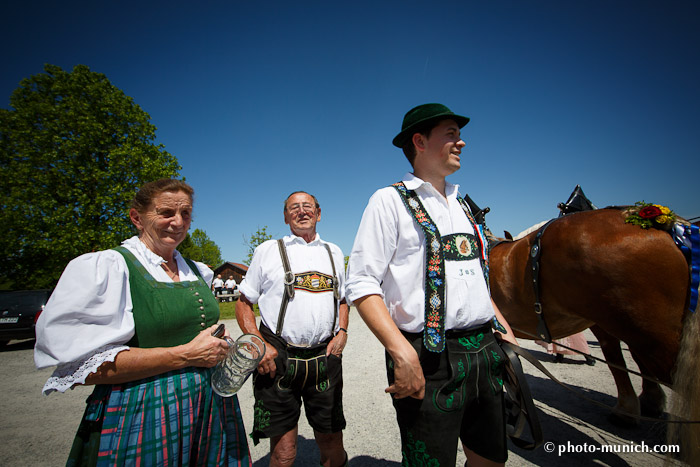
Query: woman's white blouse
x=88, y=320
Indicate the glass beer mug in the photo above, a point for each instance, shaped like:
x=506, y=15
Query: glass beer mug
x=242, y=359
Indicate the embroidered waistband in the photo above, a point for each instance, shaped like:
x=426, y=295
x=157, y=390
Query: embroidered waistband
x=305, y=353
x=454, y=333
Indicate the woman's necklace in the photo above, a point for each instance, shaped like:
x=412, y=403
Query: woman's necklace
x=173, y=274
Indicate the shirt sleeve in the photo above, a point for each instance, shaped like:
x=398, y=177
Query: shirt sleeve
x=205, y=271
x=374, y=247
x=88, y=312
x=339, y=261
x=251, y=285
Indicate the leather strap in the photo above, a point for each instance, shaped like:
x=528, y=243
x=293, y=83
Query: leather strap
x=520, y=408
x=288, y=286
x=530, y=358
x=336, y=288
x=535, y=253
x=435, y=279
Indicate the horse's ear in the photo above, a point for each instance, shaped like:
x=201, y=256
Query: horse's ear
x=507, y=235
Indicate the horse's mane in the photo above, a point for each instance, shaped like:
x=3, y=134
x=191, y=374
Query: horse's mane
x=529, y=230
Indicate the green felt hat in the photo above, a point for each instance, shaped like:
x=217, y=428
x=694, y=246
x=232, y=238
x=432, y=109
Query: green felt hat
x=421, y=116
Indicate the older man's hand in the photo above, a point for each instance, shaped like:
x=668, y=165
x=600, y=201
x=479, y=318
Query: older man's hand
x=337, y=344
x=267, y=364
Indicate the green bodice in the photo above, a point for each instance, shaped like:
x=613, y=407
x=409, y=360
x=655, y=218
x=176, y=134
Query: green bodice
x=167, y=314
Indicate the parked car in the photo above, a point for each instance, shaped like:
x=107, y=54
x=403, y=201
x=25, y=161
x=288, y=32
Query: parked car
x=19, y=310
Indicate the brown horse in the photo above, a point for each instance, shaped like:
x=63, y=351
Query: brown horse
x=627, y=283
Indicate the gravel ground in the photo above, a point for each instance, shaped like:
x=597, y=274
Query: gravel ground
x=38, y=430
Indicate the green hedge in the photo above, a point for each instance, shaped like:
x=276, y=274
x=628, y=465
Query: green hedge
x=227, y=310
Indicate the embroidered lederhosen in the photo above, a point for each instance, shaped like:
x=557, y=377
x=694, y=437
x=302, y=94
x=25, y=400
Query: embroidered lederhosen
x=453, y=247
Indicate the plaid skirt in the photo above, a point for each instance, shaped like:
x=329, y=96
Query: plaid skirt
x=171, y=419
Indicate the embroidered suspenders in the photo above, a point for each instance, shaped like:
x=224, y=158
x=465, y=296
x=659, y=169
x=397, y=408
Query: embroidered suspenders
x=290, y=279
x=437, y=250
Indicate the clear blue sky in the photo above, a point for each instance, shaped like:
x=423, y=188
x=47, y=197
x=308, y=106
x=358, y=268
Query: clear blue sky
x=259, y=99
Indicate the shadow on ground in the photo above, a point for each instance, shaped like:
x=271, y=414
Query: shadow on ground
x=14, y=345
x=561, y=412
x=309, y=455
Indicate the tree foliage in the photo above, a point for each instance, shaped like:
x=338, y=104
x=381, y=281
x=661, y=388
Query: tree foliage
x=252, y=243
x=198, y=247
x=73, y=151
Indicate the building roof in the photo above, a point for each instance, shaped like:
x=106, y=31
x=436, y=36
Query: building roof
x=229, y=264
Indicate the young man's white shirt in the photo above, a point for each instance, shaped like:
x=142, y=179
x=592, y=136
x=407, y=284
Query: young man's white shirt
x=388, y=259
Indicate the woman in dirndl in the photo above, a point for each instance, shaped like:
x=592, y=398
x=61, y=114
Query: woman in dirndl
x=137, y=321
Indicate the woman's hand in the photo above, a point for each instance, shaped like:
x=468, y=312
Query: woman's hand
x=205, y=350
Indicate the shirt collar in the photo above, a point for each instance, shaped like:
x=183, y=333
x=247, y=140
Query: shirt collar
x=412, y=183
x=156, y=260
x=295, y=239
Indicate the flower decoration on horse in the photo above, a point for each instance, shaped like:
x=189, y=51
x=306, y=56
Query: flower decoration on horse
x=647, y=215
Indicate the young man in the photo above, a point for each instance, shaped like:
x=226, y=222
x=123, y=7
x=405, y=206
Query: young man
x=298, y=283
x=416, y=275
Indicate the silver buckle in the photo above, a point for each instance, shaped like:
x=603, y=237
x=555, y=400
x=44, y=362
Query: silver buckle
x=288, y=278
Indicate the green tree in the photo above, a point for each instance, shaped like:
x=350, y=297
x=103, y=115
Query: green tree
x=252, y=243
x=198, y=247
x=73, y=151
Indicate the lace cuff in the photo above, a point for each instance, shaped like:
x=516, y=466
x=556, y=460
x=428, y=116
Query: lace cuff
x=69, y=374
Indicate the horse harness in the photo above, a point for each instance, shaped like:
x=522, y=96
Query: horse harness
x=577, y=202
x=535, y=253
x=289, y=279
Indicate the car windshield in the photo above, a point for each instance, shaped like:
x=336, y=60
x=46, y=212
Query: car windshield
x=23, y=298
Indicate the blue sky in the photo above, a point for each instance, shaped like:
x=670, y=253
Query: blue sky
x=259, y=99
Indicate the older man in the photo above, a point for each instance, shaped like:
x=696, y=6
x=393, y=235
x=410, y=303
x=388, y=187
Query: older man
x=417, y=275
x=298, y=283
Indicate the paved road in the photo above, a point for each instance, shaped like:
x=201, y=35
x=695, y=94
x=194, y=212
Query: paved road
x=38, y=430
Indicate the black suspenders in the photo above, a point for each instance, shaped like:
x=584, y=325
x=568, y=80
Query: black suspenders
x=289, y=286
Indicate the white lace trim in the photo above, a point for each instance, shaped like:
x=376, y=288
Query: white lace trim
x=68, y=375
